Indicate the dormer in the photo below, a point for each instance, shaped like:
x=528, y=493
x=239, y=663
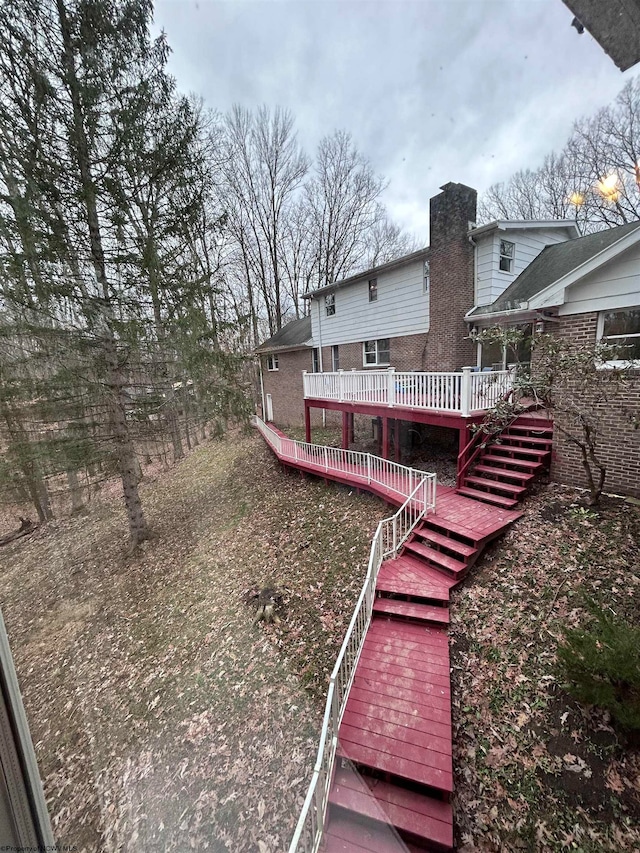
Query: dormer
x=503, y=249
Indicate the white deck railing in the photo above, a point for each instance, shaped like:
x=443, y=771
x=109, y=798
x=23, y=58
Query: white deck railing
x=390, y=534
x=357, y=466
x=464, y=392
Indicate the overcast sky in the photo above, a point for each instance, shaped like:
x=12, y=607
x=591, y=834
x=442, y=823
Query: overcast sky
x=431, y=90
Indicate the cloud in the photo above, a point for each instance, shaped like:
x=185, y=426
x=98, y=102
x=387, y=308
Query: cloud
x=455, y=90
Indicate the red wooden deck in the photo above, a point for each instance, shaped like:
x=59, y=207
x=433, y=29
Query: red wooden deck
x=394, y=772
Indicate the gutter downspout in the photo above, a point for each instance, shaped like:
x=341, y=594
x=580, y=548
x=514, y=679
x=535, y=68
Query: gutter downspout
x=320, y=364
x=475, y=291
x=264, y=411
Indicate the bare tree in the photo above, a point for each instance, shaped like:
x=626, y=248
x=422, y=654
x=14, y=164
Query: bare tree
x=595, y=178
x=342, y=201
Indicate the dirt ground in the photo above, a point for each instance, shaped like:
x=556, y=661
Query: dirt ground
x=534, y=770
x=163, y=719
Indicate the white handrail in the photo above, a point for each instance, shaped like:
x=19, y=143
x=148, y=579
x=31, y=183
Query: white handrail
x=389, y=537
x=365, y=467
x=458, y=392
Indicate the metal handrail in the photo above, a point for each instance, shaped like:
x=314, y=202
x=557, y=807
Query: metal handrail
x=389, y=537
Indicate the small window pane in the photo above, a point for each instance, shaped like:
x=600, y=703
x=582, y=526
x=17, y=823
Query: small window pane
x=622, y=322
x=316, y=361
x=330, y=304
x=507, y=252
x=383, y=351
x=335, y=358
x=373, y=290
x=427, y=276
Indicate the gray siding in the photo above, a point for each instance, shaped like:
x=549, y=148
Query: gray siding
x=615, y=285
x=491, y=282
x=402, y=308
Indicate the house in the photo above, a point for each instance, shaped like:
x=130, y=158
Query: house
x=585, y=289
x=389, y=353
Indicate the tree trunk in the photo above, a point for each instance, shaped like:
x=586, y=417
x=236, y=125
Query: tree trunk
x=76, y=493
x=125, y=451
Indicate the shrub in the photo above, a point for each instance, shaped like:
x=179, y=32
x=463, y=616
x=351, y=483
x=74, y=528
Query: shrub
x=601, y=665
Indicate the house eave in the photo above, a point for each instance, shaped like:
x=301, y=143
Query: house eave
x=268, y=350
x=525, y=224
x=357, y=277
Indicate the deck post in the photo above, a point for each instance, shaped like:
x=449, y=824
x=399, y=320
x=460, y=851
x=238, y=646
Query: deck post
x=396, y=439
x=307, y=422
x=345, y=430
x=385, y=438
x=340, y=386
x=391, y=387
x=465, y=392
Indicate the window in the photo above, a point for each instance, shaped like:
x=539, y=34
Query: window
x=330, y=304
x=376, y=352
x=373, y=290
x=315, y=360
x=427, y=276
x=492, y=355
x=507, y=254
x=621, y=329
x=335, y=358
x=272, y=362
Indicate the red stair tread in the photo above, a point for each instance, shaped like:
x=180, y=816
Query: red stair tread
x=396, y=731
x=442, y=523
x=394, y=701
x=495, y=484
x=523, y=463
x=347, y=836
x=446, y=542
x=405, y=631
x=392, y=757
x=412, y=610
x=486, y=496
x=538, y=432
x=434, y=672
x=524, y=451
x=397, y=713
x=408, y=811
x=444, y=560
x=409, y=563
x=543, y=443
x=522, y=476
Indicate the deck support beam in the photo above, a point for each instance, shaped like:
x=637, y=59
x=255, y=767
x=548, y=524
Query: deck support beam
x=385, y=437
x=307, y=422
x=396, y=439
x=345, y=430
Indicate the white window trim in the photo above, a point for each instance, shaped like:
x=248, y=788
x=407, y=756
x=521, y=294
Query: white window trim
x=512, y=259
x=335, y=348
x=375, y=291
x=272, y=363
x=620, y=364
x=330, y=303
x=377, y=363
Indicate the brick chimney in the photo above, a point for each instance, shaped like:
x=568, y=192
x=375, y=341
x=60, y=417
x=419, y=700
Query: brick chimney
x=451, y=278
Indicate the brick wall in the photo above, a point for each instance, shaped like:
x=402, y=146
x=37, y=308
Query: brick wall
x=618, y=442
x=285, y=387
x=451, y=268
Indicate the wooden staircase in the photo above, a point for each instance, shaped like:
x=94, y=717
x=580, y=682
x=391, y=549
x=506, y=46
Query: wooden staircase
x=394, y=773
x=503, y=469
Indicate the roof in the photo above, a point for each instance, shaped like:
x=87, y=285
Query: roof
x=552, y=264
x=525, y=224
x=352, y=279
x=295, y=335
x=614, y=24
